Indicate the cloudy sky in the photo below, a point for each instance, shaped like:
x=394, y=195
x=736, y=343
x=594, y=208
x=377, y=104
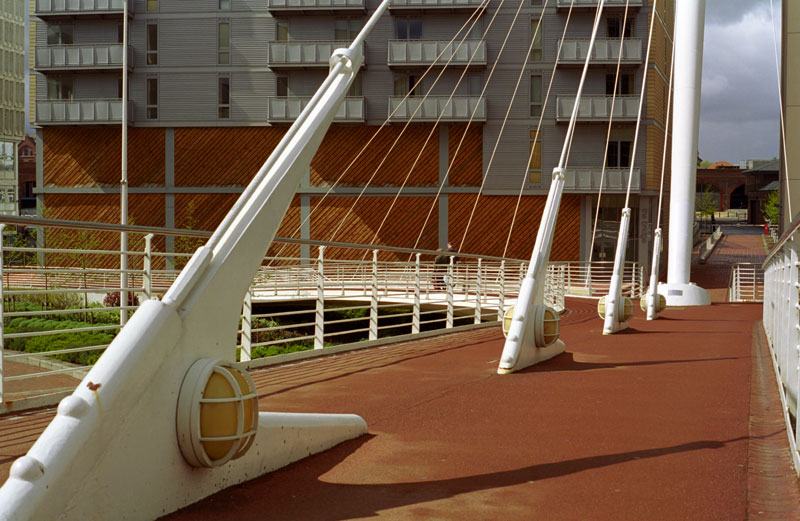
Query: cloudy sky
x=739, y=115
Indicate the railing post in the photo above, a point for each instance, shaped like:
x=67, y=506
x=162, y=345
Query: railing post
x=449, y=288
x=319, y=322
x=373, y=308
x=479, y=292
x=501, y=298
x=148, y=267
x=2, y=314
x=247, y=326
x=415, y=316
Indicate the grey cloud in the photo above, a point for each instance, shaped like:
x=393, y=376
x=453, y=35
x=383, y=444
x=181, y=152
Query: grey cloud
x=731, y=11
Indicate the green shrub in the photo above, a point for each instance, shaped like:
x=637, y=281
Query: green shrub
x=264, y=351
x=42, y=344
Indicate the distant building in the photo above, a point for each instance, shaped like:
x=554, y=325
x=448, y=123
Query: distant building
x=739, y=188
x=12, y=101
x=214, y=85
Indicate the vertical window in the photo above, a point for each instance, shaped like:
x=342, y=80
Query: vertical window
x=408, y=28
x=406, y=84
x=477, y=29
x=615, y=27
x=152, y=5
x=225, y=5
x=152, y=98
x=536, y=35
x=282, y=86
x=535, y=164
x=624, y=84
x=282, y=31
x=619, y=154
x=224, y=97
x=120, y=33
x=475, y=85
x=59, y=88
x=536, y=96
x=224, y=43
x=346, y=29
x=58, y=35
x=152, y=44
x=356, y=87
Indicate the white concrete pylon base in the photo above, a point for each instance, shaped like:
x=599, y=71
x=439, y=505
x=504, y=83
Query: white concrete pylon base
x=616, y=328
x=530, y=355
x=684, y=295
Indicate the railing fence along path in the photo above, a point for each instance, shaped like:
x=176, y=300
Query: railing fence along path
x=782, y=324
x=746, y=283
x=60, y=317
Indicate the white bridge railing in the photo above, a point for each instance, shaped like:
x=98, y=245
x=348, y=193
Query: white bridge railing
x=61, y=312
x=782, y=325
x=747, y=283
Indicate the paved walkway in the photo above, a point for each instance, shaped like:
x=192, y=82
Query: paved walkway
x=738, y=244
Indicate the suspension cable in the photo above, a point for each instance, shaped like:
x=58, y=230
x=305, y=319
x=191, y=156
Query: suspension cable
x=471, y=21
x=538, y=127
x=780, y=101
x=608, y=135
x=434, y=128
x=400, y=135
x=503, y=126
x=641, y=104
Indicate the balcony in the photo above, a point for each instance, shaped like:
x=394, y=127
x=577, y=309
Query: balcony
x=587, y=179
x=598, y=108
x=428, y=109
x=423, y=53
x=303, y=54
x=89, y=8
x=605, y=52
x=85, y=57
x=565, y=4
x=440, y=6
x=311, y=7
x=286, y=110
x=81, y=112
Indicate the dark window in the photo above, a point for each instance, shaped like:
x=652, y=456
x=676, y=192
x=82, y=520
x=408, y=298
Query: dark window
x=282, y=86
x=152, y=98
x=624, y=84
x=152, y=44
x=619, y=154
x=615, y=28
x=224, y=101
x=408, y=28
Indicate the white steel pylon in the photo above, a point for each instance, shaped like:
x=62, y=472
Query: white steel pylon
x=528, y=342
x=165, y=418
x=689, y=20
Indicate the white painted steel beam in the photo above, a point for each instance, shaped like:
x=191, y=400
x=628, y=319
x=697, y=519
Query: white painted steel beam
x=112, y=450
x=689, y=20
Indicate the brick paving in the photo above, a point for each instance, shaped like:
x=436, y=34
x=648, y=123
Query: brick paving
x=715, y=274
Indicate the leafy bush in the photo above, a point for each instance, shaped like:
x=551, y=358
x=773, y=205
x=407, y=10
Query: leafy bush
x=112, y=299
x=61, y=341
x=264, y=351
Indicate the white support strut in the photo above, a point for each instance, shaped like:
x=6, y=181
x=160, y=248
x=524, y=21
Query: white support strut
x=112, y=451
x=615, y=307
x=520, y=349
x=652, y=289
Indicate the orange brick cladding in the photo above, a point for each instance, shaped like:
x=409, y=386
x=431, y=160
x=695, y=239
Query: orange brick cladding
x=209, y=157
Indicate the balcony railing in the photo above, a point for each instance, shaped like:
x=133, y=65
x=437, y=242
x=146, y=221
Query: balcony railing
x=565, y=4
x=437, y=5
x=460, y=108
x=287, y=7
x=45, y=8
x=285, y=110
x=302, y=54
x=422, y=53
x=81, y=57
x=81, y=112
x=587, y=179
x=605, y=51
x=598, y=108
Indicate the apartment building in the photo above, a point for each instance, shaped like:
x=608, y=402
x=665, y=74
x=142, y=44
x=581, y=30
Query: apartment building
x=214, y=85
x=12, y=98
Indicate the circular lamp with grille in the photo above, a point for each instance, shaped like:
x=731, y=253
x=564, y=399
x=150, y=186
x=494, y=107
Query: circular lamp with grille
x=661, y=303
x=625, y=311
x=217, y=413
x=546, y=324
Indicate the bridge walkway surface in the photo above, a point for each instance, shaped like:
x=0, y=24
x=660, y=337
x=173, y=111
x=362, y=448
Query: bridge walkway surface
x=677, y=418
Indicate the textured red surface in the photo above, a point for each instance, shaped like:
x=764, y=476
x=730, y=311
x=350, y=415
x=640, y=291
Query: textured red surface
x=648, y=424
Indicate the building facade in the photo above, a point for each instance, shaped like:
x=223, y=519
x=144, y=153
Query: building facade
x=213, y=87
x=12, y=98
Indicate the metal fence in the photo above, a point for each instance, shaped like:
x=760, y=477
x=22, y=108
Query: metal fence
x=60, y=312
x=782, y=325
x=746, y=283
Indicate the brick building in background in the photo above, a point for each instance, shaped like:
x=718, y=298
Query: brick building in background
x=214, y=85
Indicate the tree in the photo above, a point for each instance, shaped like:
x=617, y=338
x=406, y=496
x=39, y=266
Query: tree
x=772, y=208
x=706, y=202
